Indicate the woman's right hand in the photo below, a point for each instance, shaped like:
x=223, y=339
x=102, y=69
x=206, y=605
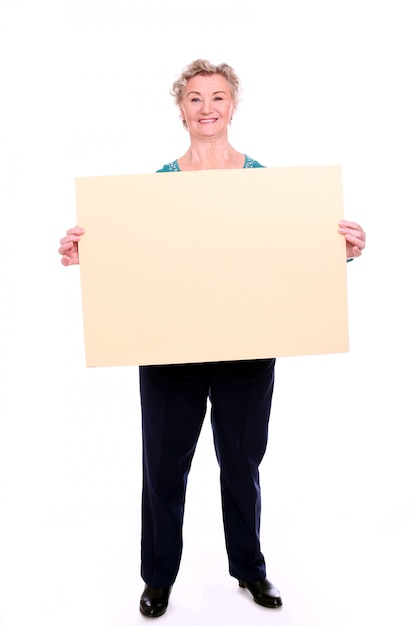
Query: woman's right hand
x=69, y=246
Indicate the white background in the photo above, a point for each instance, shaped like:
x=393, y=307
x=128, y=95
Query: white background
x=84, y=90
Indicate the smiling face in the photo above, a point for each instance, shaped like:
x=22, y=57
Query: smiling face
x=207, y=105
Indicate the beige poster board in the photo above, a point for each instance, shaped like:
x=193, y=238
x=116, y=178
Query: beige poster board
x=212, y=265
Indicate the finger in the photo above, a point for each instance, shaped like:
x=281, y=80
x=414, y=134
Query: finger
x=69, y=239
x=69, y=260
x=353, y=237
x=65, y=247
x=76, y=230
x=347, y=224
x=353, y=234
x=64, y=240
x=356, y=242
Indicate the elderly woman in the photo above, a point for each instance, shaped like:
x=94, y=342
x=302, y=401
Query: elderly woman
x=174, y=397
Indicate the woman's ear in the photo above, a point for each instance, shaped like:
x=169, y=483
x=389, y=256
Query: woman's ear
x=232, y=112
x=182, y=116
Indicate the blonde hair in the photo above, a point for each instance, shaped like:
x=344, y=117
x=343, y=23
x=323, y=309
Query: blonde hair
x=203, y=68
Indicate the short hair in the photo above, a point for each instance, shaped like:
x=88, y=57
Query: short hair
x=203, y=68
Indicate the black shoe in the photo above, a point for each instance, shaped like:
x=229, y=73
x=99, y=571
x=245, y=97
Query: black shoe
x=154, y=602
x=264, y=593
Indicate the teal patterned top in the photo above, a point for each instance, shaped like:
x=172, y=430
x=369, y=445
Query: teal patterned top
x=174, y=167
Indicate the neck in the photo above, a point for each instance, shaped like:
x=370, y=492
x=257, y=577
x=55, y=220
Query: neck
x=211, y=154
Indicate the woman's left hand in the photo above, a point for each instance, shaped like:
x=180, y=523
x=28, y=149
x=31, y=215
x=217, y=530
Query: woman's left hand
x=355, y=238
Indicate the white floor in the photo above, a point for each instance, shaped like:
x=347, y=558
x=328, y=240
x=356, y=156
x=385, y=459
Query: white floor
x=339, y=512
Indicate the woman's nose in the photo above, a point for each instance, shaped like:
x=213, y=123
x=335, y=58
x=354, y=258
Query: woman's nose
x=206, y=106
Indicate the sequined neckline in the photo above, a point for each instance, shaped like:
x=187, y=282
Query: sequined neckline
x=174, y=167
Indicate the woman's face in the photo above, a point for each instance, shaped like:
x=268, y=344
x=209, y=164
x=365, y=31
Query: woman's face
x=207, y=105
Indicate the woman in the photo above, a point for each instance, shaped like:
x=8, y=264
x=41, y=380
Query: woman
x=174, y=397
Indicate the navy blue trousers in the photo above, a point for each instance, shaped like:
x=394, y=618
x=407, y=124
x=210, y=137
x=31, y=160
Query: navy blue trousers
x=174, y=402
